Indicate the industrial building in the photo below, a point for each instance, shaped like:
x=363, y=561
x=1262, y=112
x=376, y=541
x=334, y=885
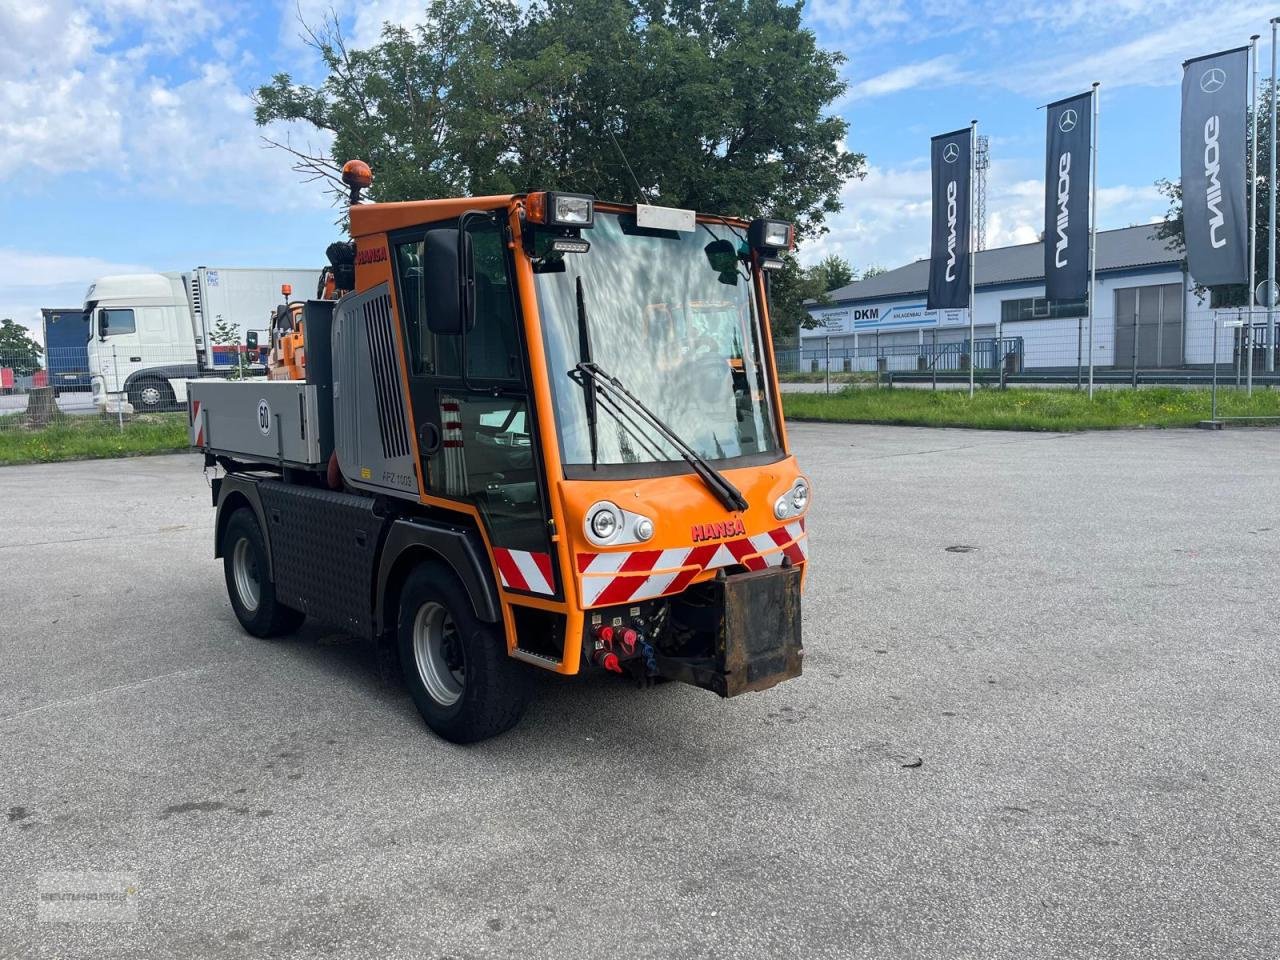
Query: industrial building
x=1147, y=315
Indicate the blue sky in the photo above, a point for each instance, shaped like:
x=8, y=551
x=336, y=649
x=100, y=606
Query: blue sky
x=127, y=139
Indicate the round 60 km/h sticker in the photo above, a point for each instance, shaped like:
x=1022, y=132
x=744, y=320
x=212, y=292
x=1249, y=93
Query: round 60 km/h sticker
x=264, y=416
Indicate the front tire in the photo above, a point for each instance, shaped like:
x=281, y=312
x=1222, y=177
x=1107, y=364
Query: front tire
x=456, y=666
x=151, y=396
x=249, y=586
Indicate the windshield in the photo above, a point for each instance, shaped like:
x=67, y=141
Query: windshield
x=672, y=315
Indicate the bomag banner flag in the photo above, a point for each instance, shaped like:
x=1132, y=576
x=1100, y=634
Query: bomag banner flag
x=949, y=250
x=1066, y=198
x=1215, y=92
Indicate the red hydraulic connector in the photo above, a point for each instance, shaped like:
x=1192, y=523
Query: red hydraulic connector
x=607, y=660
x=605, y=635
x=629, y=638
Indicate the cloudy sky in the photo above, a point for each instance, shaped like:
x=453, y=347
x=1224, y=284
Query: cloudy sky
x=127, y=139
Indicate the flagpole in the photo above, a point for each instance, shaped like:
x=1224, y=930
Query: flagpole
x=1253, y=183
x=1271, y=228
x=1093, y=231
x=973, y=353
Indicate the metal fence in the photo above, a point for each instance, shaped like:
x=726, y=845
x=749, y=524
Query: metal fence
x=1156, y=346
x=1161, y=345
x=60, y=386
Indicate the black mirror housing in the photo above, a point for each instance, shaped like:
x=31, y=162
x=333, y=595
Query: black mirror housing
x=446, y=275
x=102, y=323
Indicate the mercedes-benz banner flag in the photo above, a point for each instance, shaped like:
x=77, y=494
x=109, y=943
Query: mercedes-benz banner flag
x=1066, y=198
x=1214, y=212
x=949, y=251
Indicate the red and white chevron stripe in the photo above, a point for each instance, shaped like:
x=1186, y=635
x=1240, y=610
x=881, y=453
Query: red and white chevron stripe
x=626, y=575
x=522, y=570
x=197, y=424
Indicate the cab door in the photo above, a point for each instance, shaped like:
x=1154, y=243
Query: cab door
x=472, y=406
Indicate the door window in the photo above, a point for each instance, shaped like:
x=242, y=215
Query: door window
x=118, y=321
x=487, y=452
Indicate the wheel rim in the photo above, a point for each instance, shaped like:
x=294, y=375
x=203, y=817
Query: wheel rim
x=150, y=396
x=437, y=650
x=244, y=567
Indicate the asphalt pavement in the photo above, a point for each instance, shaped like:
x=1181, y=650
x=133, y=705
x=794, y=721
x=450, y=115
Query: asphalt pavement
x=1038, y=719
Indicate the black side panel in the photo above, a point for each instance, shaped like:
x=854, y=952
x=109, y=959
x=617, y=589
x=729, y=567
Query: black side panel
x=324, y=547
x=317, y=321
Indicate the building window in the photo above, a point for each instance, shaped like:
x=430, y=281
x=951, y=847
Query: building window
x=1038, y=308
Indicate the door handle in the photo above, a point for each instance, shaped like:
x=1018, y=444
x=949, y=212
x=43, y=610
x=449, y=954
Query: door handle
x=429, y=439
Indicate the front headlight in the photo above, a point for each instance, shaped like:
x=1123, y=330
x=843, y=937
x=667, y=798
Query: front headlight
x=604, y=522
x=793, y=502
x=800, y=496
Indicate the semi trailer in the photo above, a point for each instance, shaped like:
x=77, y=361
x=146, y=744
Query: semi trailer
x=149, y=333
x=66, y=355
x=517, y=444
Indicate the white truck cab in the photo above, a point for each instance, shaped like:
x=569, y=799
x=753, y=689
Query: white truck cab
x=149, y=333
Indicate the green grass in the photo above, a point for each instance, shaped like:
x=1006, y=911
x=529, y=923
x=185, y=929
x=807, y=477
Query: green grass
x=818, y=377
x=91, y=437
x=1030, y=409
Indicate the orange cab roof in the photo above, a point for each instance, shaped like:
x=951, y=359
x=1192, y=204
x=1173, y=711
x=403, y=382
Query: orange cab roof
x=367, y=218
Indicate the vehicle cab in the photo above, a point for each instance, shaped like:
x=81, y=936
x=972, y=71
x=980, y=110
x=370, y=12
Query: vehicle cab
x=593, y=385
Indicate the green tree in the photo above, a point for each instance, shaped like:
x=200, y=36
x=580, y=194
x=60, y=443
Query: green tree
x=225, y=333
x=789, y=290
x=718, y=106
x=833, y=272
x=1171, y=229
x=18, y=351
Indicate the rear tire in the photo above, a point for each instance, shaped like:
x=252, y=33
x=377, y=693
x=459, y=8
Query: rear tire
x=456, y=666
x=252, y=593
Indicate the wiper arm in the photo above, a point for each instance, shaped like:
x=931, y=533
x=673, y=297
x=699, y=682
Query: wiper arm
x=589, y=385
x=726, y=492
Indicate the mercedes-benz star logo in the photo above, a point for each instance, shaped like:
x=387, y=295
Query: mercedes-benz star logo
x=1067, y=120
x=950, y=153
x=1213, y=80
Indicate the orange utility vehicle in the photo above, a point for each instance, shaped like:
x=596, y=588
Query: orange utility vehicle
x=540, y=431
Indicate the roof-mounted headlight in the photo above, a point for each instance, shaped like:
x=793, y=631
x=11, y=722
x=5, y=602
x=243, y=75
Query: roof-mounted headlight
x=554, y=209
x=770, y=234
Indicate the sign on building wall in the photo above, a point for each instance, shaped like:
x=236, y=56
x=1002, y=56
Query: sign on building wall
x=859, y=318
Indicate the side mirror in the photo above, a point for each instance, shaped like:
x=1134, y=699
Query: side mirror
x=446, y=277
x=102, y=323
x=251, y=340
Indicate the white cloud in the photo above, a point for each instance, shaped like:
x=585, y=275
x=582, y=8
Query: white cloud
x=77, y=94
x=29, y=281
x=906, y=77
x=1151, y=58
x=886, y=217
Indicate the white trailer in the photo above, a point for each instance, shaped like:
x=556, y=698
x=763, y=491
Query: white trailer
x=152, y=332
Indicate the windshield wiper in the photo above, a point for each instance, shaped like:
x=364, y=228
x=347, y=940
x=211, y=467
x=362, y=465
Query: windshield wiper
x=592, y=373
x=588, y=386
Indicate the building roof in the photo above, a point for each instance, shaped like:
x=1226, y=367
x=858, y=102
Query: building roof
x=1121, y=249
